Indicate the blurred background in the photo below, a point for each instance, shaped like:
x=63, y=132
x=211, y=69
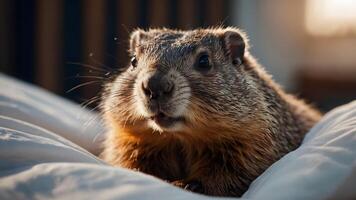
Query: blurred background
x=68, y=46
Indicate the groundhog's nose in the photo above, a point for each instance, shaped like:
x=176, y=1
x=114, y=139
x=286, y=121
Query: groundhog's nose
x=157, y=86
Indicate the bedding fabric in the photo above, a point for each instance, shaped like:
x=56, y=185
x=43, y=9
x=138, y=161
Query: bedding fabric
x=49, y=148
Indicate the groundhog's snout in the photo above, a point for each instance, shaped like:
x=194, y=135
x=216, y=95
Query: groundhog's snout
x=157, y=87
x=157, y=90
x=163, y=98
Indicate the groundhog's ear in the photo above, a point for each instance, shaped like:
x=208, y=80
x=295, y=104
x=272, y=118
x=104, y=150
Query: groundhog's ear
x=234, y=46
x=136, y=38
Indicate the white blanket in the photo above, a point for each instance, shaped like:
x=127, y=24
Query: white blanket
x=48, y=147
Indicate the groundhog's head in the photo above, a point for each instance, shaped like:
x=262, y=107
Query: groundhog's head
x=180, y=81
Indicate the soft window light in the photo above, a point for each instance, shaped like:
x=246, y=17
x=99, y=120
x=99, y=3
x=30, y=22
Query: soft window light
x=331, y=17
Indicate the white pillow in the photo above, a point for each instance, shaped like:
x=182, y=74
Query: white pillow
x=321, y=168
x=36, y=106
x=45, y=145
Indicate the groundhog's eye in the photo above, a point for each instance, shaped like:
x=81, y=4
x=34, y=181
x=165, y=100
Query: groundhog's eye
x=134, y=61
x=203, y=62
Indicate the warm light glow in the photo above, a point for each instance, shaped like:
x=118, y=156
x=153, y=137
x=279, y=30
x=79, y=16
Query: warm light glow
x=331, y=17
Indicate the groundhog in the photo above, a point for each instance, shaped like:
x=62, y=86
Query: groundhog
x=194, y=108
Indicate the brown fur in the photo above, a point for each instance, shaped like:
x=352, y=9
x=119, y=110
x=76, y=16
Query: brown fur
x=227, y=140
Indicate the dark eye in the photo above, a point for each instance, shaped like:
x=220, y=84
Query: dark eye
x=134, y=61
x=203, y=62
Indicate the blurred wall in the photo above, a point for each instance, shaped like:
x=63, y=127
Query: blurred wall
x=63, y=44
x=320, y=69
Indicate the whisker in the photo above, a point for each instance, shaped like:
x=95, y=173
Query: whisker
x=99, y=134
x=83, y=84
x=90, y=101
x=99, y=63
x=95, y=108
x=94, y=77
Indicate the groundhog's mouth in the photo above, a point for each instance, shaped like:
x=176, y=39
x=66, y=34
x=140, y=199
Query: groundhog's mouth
x=165, y=121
